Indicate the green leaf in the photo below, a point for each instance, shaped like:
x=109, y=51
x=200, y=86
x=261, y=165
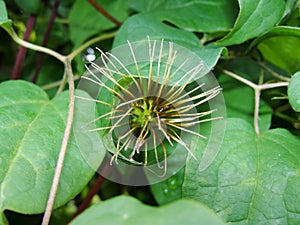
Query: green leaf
x=86, y=21
x=144, y=5
x=32, y=6
x=255, y=18
x=294, y=92
x=134, y=29
x=199, y=15
x=253, y=180
x=168, y=190
x=4, y=21
x=275, y=32
x=31, y=132
x=286, y=40
x=127, y=210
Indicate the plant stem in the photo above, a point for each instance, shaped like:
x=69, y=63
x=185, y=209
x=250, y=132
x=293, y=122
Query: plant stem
x=237, y=77
x=91, y=42
x=272, y=85
x=256, y=111
x=57, y=83
x=104, y=12
x=287, y=118
x=45, y=40
x=38, y=48
x=257, y=89
x=68, y=74
x=64, y=145
x=93, y=191
x=22, y=50
x=62, y=83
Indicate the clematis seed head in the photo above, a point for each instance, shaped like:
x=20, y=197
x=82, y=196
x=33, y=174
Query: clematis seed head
x=150, y=101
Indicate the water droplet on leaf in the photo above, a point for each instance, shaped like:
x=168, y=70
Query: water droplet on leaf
x=166, y=191
x=173, y=183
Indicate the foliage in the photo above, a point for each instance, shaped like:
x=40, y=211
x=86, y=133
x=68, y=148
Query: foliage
x=253, y=48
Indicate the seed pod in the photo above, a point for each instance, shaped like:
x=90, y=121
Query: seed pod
x=150, y=99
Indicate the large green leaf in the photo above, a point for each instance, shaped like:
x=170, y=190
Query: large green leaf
x=127, y=210
x=278, y=31
x=31, y=131
x=286, y=40
x=255, y=18
x=294, y=93
x=86, y=21
x=4, y=21
x=134, y=29
x=253, y=180
x=199, y=15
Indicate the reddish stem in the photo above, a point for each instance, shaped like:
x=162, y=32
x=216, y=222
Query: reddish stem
x=45, y=40
x=105, y=13
x=22, y=50
x=93, y=191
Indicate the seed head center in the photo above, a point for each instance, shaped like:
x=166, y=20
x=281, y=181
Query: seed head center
x=143, y=112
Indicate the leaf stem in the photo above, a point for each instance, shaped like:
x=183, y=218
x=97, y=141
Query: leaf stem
x=57, y=83
x=64, y=145
x=272, y=85
x=62, y=83
x=241, y=79
x=257, y=89
x=38, y=48
x=256, y=111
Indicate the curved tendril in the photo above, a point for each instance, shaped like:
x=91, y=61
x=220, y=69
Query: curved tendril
x=116, y=124
x=136, y=67
x=100, y=83
x=122, y=66
x=93, y=100
x=111, y=77
x=155, y=148
x=179, y=140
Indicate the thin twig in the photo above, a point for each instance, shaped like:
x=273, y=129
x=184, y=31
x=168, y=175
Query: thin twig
x=257, y=90
x=255, y=86
x=45, y=40
x=105, y=13
x=64, y=145
x=237, y=77
x=22, y=50
x=272, y=85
